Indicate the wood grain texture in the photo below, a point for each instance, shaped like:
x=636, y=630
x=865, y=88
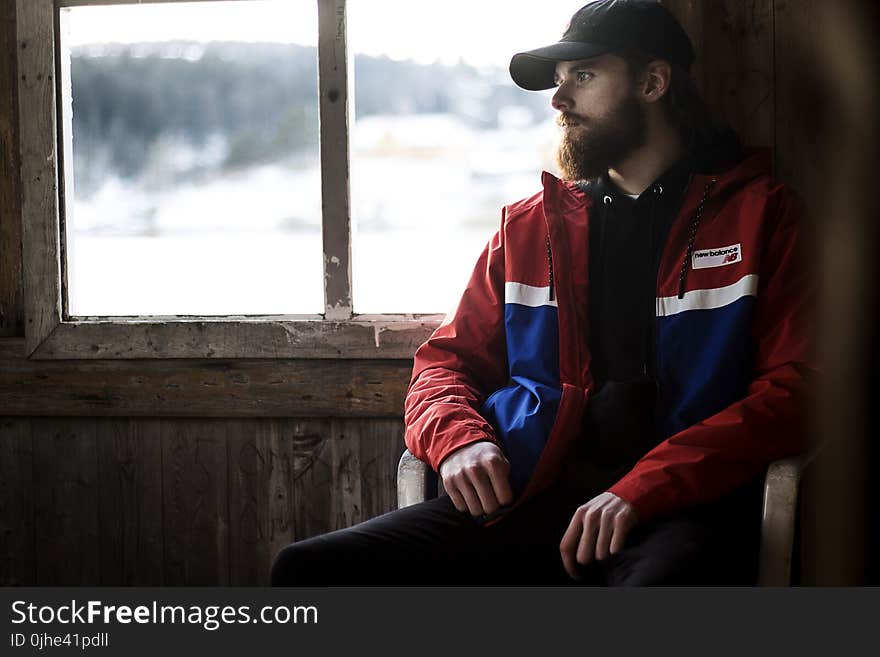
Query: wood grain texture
x=67, y=548
x=381, y=445
x=16, y=503
x=260, y=499
x=258, y=388
x=802, y=112
x=86, y=3
x=182, y=502
x=345, y=460
x=255, y=338
x=312, y=475
x=39, y=159
x=690, y=14
x=196, y=505
x=130, y=503
x=11, y=298
x=335, y=187
x=738, y=67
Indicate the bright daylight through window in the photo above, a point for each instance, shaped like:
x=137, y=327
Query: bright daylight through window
x=192, y=180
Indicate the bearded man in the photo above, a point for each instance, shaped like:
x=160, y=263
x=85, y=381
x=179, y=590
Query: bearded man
x=628, y=357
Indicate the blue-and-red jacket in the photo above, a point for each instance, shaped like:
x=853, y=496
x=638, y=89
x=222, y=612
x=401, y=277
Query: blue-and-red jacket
x=511, y=363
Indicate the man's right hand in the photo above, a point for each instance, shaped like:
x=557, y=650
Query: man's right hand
x=476, y=477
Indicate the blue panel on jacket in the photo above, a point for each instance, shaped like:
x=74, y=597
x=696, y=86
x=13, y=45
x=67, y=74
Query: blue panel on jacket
x=523, y=412
x=706, y=363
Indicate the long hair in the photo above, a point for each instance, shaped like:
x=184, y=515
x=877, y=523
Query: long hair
x=685, y=109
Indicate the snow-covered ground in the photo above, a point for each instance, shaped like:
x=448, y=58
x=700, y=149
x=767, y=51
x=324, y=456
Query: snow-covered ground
x=426, y=196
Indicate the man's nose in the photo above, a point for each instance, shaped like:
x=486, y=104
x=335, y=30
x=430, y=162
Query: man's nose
x=561, y=102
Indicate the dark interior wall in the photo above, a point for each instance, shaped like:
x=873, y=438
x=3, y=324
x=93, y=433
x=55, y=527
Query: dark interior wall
x=797, y=75
x=181, y=501
x=11, y=302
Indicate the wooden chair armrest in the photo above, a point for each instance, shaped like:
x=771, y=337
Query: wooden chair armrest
x=779, y=517
x=412, y=480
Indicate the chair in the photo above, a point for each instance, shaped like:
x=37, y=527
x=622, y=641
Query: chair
x=416, y=483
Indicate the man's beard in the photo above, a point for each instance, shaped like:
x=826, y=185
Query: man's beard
x=594, y=146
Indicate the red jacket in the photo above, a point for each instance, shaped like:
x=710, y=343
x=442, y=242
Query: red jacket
x=511, y=363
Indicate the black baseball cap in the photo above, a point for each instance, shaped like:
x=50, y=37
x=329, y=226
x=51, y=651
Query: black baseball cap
x=605, y=26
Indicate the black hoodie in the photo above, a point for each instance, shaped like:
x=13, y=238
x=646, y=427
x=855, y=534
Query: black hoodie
x=626, y=241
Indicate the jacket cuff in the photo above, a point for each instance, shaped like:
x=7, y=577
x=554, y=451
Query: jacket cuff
x=437, y=455
x=647, y=504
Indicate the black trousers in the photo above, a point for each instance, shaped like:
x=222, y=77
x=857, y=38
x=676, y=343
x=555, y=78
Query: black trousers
x=433, y=544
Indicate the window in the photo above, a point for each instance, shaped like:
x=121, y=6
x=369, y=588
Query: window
x=437, y=153
x=194, y=156
x=190, y=224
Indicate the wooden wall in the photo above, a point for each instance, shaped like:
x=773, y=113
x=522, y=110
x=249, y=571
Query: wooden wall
x=148, y=501
x=11, y=300
x=140, y=473
x=754, y=63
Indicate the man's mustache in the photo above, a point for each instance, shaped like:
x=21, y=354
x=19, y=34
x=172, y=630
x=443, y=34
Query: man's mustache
x=567, y=119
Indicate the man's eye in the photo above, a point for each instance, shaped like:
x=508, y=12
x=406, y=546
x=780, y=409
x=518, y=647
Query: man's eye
x=583, y=76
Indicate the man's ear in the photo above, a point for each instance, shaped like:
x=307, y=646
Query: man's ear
x=655, y=80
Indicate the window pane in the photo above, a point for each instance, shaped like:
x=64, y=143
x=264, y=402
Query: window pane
x=195, y=182
x=442, y=138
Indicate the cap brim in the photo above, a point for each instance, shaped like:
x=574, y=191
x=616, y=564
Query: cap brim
x=536, y=69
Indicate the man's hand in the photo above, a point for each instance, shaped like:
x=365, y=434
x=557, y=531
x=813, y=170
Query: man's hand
x=476, y=478
x=597, y=528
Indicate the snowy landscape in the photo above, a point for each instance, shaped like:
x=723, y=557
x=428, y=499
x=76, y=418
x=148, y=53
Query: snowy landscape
x=219, y=212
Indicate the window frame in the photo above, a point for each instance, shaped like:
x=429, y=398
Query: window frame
x=51, y=333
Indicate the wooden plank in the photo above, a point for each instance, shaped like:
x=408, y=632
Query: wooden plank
x=346, y=478
x=16, y=503
x=195, y=497
x=801, y=98
x=738, y=67
x=254, y=338
x=281, y=521
x=311, y=475
x=253, y=388
x=89, y=3
x=262, y=513
x=67, y=548
x=250, y=445
x=335, y=187
x=64, y=110
x=11, y=300
x=12, y=349
x=381, y=445
x=690, y=14
x=345, y=462
x=39, y=200
x=130, y=480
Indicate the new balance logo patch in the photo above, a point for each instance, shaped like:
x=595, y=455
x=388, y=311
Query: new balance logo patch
x=723, y=255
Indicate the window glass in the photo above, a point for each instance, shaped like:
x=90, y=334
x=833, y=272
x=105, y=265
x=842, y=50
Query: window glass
x=192, y=181
x=441, y=139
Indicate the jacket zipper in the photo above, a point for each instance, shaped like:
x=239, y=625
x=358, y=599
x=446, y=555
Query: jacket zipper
x=655, y=365
x=695, y=224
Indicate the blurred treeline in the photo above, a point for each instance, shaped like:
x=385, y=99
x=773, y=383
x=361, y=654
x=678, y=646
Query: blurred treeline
x=142, y=106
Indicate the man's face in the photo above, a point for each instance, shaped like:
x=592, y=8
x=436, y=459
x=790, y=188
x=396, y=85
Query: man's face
x=601, y=119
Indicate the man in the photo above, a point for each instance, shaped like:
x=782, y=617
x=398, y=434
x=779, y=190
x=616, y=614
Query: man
x=629, y=354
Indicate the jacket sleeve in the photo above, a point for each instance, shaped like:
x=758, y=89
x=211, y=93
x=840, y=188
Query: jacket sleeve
x=462, y=362
x=709, y=459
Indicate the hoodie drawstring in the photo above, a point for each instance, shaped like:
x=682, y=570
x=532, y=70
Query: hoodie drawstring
x=682, y=278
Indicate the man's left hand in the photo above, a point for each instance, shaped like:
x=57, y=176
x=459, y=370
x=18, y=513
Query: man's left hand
x=597, y=529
